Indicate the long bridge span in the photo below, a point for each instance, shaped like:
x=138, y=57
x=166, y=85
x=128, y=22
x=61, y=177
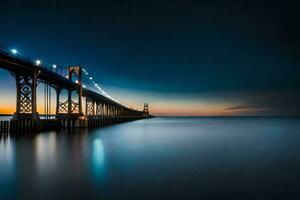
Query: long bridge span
x=100, y=108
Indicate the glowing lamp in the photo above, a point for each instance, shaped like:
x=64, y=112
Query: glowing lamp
x=38, y=62
x=14, y=51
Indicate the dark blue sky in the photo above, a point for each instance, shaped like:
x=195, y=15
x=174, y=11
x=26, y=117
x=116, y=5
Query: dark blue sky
x=183, y=49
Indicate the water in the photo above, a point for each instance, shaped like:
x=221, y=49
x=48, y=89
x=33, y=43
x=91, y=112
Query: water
x=160, y=158
x=5, y=118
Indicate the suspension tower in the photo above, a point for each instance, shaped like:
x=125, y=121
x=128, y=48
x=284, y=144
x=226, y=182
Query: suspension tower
x=26, y=106
x=75, y=106
x=26, y=117
x=146, y=110
x=71, y=107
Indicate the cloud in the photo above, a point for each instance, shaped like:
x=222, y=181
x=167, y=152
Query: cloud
x=234, y=108
x=283, y=103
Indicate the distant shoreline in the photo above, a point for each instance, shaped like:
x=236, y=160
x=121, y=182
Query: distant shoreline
x=243, y=116
x=296, y=116
x=6, y=115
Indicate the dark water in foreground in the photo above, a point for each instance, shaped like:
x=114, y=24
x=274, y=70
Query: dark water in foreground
x=160, y=158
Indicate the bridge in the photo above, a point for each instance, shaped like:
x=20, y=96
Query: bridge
x=100, y=108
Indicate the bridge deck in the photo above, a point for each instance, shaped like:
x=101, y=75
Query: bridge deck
x=23, y=66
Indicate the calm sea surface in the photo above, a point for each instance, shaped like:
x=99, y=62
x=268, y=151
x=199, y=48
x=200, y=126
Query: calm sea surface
x=160, y=158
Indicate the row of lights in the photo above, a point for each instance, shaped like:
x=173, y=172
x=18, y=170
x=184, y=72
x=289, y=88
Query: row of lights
x=98, y=87
x=39, y=62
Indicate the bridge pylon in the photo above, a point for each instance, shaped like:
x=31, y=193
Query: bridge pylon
x=26, y=105
x=146, y=110
x=75, y=107
x=71, y=108
x=26, y=117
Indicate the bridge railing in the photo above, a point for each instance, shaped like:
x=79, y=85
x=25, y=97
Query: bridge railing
x=57, y=69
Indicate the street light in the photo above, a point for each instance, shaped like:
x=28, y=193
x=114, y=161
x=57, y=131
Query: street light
x=54, y=66
x=14, y=51
x=38, y=62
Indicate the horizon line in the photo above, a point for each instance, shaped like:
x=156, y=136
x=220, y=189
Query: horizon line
x=3, y=115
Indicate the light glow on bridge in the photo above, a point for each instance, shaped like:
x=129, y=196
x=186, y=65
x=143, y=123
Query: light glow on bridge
x=95, y=84
x=38, y=62
x=14, y=51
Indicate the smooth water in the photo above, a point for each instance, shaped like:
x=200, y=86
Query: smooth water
x=159, y=158
x=5, y=118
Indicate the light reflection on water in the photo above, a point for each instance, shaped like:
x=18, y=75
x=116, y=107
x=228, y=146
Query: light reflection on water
x=7, y=168
x=156, y=158
x=7, y=154
x=98, y=158
x=5, y=118
x=45, y=151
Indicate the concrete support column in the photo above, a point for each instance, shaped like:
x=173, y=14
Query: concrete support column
x=80, y=101
x=69, y=102
x=102, y=110
x=58, y=90
x=106, y=110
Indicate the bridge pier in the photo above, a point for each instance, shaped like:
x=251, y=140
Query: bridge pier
x=26, y=105
x=70, y=112
x=26, y=117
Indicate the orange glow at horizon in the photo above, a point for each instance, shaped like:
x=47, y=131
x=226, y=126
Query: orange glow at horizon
x=158, y=105
x=159, y=109
x=196, y=109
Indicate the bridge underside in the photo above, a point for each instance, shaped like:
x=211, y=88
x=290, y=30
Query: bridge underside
x=65, y=122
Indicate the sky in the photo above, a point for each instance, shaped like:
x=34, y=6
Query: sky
x=191, y=58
